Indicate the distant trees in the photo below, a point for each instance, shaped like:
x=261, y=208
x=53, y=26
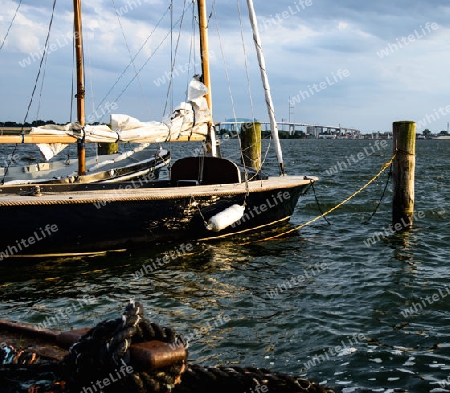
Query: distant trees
x=35, y=123
x=427, y=132
x=285, y=134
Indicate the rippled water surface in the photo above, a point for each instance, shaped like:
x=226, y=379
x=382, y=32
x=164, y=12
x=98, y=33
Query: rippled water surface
x=323, y=302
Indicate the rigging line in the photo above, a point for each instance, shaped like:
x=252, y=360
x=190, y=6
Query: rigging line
x=267, y=151
x=333, y=208
x=128, y=66
x=173, y=56
x=146, y=62
x=245, y=60
x=194, y=39
x=40, y=64
x=171, y=60
x=248, y=80
x=42, y=87
x=382, y=195
x=132, y=60
x=191, y=56
x=318, y=204
x=233, y=108
x=134, y=77
x=72, y=95
x=93, y=116
x=88, y=47
x=10, y=25
x=72, y=91
x=35, y=85
x=192, y=60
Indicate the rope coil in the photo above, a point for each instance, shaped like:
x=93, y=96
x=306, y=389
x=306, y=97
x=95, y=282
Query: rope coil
x=105, y=349
x=103, y=353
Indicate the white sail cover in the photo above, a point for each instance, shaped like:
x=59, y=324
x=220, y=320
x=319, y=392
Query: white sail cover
x=188, y=119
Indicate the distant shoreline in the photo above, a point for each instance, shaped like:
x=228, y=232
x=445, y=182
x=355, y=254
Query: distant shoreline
x=13, y=130
x=19, y=130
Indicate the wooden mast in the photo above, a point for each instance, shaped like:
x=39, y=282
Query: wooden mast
x=204, y=54
x=204, y=49
x=80, y=83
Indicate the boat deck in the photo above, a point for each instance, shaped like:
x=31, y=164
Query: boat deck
x=135, y=190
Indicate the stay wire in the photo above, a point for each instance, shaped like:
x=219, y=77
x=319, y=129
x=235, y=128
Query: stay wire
x=136, y=74
x=41, y=62
x=72, y=93
x=227, y=76
x=145, y=63
x=246, y=61
x=34, y=88
x=173, y=58
x=172, y=55
x=318, y=204
x=72, y=88
x=10, y=25
x=250, y=98
x=41, y=89
x=129, y=64
x=91, y=85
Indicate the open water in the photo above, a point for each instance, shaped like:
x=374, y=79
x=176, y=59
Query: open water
x=340, y=304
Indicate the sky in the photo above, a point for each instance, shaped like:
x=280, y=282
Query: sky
x=354, y=63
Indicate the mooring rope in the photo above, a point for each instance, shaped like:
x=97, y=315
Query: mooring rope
x=105, y=349
x=224, y=379
x=382, y=195
x=102, y=353
x=225, y=235
x=318, y=204
x=96, y=358
x=385, y=166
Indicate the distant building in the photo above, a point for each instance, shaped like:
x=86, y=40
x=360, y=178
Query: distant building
x=314, y=131
x=379, y=135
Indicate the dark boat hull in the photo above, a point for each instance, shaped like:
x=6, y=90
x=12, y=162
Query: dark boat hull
x=93, y=220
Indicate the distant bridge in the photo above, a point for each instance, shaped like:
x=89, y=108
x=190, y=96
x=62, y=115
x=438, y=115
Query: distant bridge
x=235, y=126
x=312, y=129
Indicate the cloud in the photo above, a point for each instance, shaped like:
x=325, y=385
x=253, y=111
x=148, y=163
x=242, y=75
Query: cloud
x=303, y=45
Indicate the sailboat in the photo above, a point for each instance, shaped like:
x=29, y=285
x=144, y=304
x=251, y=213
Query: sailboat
x=115, y=167
x=206, y=196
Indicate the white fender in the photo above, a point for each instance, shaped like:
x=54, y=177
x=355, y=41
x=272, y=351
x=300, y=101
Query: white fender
x=225, y=218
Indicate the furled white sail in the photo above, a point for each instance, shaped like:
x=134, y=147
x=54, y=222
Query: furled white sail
x=188, y=119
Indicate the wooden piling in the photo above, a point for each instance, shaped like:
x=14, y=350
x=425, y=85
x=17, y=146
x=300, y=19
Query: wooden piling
x=108, y=148
x=403, y=174
x=251, y=144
